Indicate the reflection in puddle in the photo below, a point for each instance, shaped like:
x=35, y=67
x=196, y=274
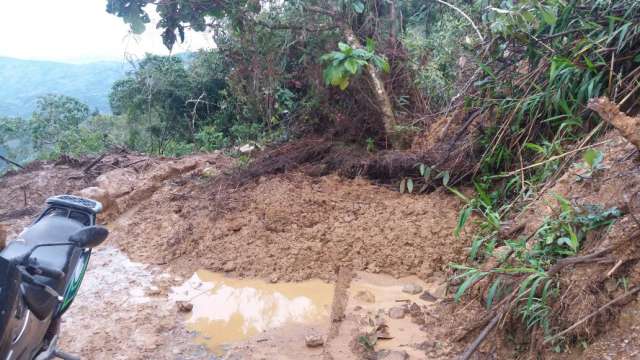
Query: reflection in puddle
x=227, y=310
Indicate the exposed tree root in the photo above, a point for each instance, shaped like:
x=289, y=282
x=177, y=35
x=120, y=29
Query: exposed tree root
x=600, y=310
x=628, y=126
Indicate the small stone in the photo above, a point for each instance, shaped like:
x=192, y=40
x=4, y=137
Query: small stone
x=440, y=291
x=357, y=308
x=396, y=312
x=426, y=296
x=426, y=345
x=153, y=291
x=136, y=292
x=501, y=251
x=365, y=296
x=247, y=148
x=382, y=332
x=229, y=266
x=313, y=341
x=274, y=279
x=210, y=172
x=392, y=355
x=611, y=285
x=412, y=289
x=184, y=306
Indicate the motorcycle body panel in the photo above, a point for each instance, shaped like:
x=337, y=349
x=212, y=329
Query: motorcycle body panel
x=18, y=325
x=29, y=316
x=74, y=282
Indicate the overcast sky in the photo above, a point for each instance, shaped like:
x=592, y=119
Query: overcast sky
x=77, y=31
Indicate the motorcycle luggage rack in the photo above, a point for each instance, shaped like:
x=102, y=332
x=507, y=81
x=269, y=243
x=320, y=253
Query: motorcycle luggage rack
x=76, y=202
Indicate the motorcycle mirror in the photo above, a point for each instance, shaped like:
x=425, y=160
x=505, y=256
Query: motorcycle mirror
x=89, y=237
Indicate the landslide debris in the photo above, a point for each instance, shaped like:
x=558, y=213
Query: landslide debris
x=293, y=227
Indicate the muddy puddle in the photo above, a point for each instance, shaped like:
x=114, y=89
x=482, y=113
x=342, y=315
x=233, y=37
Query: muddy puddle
x=227, y=310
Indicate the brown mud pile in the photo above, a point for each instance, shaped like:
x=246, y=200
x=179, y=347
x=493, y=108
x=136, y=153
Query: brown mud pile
x=294, y=227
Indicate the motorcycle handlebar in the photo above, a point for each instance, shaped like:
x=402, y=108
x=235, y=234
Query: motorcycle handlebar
x=45, y=271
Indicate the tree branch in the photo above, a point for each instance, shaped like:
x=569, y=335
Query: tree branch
x=11, y=162
x=465, y=16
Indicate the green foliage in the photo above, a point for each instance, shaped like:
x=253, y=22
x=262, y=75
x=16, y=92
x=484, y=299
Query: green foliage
x=592, y=164
x=54, y=121
x=175, y=148
x=173, y=106
x=560, y=54
x=155, y=96
x=347, y=62
x=429, y=178
x=560, y=236
x=209, y=138
x=173, y=15
x=60, y=125
x=438, y=47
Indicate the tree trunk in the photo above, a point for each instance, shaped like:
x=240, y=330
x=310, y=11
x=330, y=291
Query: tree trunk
x=393, y=19
x=386, y=108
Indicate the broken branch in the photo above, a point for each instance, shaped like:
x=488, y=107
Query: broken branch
x=465, y=16
x=11, y=162
x=472, y=348
x=94, y=163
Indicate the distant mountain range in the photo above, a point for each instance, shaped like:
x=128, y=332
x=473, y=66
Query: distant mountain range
x=23, y=81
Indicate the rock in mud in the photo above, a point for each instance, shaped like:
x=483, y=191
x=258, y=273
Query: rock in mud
x=98, y=194
x=229, y=266
x=412, y=289
x=247, y=148
x=313, y=341
x=184, y=306
x=396, y=312
x=210, y=172
x=611, y=285
x=426, y=296
x=154, y=291
x=392, y=355
x=365, y=296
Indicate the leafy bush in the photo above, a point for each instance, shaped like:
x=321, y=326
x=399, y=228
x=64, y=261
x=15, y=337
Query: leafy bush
x=559, y=236
x=348, y=62
x=209, y=138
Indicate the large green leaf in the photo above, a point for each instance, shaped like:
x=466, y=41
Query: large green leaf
x=472, y=279
x=352, y=65
x=462, y=219
x=345, y=48
x=358, y=7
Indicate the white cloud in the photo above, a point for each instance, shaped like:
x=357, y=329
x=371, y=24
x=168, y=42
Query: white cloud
x=78, y=31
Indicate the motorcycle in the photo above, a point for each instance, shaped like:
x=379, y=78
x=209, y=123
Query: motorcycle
x=40, y=274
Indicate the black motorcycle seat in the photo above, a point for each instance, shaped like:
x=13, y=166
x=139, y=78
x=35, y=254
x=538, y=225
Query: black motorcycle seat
x=50, y=229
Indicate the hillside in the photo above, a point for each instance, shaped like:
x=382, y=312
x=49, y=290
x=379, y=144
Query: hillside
x=24, y=80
